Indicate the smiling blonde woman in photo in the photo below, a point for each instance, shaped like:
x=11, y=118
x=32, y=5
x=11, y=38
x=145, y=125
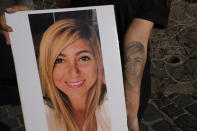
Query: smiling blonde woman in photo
x=72, y=78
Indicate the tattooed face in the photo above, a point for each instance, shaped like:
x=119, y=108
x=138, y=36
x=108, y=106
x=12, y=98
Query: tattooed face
x=133, y=62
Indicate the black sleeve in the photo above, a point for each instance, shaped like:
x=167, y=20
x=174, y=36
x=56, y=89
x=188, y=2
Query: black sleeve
x=156, y=11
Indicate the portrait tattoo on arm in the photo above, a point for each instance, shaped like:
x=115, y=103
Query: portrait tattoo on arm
x=133, y=63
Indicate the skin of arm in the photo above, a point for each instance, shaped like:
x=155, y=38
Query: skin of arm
x=135, y=54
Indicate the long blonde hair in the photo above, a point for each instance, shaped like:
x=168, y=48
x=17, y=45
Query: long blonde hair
x=57, y=37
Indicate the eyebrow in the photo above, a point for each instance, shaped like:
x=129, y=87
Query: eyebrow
x=61, y=55
x=82, y=51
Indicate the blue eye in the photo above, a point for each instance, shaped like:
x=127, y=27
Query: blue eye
x=85, y=58
x=59, y=60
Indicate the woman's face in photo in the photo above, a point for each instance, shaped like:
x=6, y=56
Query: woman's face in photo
x=75, y=70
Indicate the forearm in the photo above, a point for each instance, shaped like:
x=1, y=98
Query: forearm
x=133, y=71
x=135, y=53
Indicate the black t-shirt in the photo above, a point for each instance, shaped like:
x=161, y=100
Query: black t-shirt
x=125, y=11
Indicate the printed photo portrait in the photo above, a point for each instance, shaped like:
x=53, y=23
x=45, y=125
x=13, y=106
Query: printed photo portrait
x=70, y=64
x=68, y=69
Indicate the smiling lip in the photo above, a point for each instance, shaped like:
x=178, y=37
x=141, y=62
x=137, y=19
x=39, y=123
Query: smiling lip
x=77, y=84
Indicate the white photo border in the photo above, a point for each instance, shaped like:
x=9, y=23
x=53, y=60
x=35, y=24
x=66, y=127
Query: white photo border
x=27, y=71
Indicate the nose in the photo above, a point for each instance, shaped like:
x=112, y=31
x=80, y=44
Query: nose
x=74, y=70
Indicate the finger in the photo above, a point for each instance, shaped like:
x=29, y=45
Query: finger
x=16, y=8
x=3, y=24
x=7, y=38
x=5, y=27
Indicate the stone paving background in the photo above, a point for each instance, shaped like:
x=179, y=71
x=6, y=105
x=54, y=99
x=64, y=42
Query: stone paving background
x=173, y=104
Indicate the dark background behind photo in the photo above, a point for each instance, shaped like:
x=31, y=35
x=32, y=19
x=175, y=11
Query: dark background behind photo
x=40, y=22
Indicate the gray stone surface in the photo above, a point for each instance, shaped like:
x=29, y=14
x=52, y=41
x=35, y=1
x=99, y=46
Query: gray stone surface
x=11, y=122
x=14, y=110
x=21, y=120
x=183, y=100
x=173, y=96
x=151, y=113
x=3, y=112
x=143, y=127
x=163, y=101
x=187, y=123
x=192, y=109
x=179, y=39
x=164, y=126
x=172, y=110
x=19, y=129
x=194, y=97
x=11, y=116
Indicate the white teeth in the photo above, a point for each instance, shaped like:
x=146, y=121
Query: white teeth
x=76, y=83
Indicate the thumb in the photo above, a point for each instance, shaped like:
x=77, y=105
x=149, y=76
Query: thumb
x=6, y=35
x=16, y=8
